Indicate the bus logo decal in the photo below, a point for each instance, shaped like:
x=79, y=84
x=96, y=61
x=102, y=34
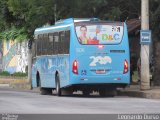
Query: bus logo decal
x=101, y=60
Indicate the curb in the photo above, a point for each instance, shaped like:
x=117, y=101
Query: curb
x=21, y=86
x=13, y=81
x=141, y=94
x=19, y=83
x=4, y=85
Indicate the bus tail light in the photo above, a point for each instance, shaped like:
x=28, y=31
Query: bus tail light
x=75, y=67
x=125, y=67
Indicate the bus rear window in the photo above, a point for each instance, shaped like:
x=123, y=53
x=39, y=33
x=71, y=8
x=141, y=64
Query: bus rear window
x=99, y=34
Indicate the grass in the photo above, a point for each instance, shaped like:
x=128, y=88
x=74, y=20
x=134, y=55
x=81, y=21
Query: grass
x=4, y=73
x=16, y=74
x=19, y=74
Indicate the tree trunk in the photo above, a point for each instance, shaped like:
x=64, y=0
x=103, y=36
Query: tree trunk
x=156, y=73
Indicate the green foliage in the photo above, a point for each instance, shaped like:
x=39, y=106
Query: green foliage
x=14, y=34
x=155, y=16
x=19, y=74
x=5, y=16
x=4, y=73
x=16, y=74
x=19, y=18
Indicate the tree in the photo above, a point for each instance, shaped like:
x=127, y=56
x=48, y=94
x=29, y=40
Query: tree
x=31, y=13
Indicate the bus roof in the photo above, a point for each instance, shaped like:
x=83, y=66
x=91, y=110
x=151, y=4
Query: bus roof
x=62, y=24
x=57, y=26
x=65, y=24
x=59, y=22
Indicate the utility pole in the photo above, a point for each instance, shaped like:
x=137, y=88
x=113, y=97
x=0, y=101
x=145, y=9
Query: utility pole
x=145, y=74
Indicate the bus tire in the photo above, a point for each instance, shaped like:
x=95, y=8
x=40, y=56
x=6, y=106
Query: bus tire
x=58, y=89
x=38, y=79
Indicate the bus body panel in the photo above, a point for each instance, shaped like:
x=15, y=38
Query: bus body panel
x=47, y=67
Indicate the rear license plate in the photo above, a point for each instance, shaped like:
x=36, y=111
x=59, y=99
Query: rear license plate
x=100, y=71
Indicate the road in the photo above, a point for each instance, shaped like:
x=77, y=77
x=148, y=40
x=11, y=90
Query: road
x=26, y=102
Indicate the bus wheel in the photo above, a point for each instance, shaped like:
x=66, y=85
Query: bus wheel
x=58, y=89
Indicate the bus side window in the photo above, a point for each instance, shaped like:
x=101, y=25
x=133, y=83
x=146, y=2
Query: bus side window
x=55, y=43
x=44, y=44
x=50, y=44
x=67, y=42
x=39, y=45
x=62, y=42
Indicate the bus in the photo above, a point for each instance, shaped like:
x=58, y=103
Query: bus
x=81, y=55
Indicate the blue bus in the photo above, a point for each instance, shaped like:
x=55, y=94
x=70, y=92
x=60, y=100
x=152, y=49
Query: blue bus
x=81, y=54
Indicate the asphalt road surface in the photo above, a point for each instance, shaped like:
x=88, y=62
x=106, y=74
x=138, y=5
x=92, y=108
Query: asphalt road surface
x=28, y=102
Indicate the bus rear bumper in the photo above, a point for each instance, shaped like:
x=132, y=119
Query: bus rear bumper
x=99, y=81
x=119, y=79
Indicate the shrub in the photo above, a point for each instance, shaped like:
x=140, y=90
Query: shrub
x=4, y=73
x=16, y=74
x=19, y=74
